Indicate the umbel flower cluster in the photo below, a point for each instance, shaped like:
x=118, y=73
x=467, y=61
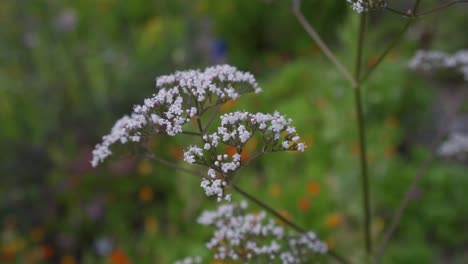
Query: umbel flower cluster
x=433, y=61
x=255, y=238
x=188, y=95
x=235, y=130
x=367, y=5
x=455, y=147
x=180, y=97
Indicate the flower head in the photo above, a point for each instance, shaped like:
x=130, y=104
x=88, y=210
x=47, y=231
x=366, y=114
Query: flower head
x=235, y=130
x=254, y=236
x=367, y=5
x=180, y=97
x=428, y=61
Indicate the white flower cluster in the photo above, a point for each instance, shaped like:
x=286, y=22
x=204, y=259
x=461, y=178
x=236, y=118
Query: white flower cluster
x=252, y=237
x=181, y=96
x=366, y=5
x=189, y=260
x=235, y=130
x=428, y=61
x=456, y=146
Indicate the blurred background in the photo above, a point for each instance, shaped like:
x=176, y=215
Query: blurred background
x=69, y=69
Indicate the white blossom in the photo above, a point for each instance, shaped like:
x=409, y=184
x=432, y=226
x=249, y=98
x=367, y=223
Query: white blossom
x=256, y=236
x=235, y=130
x=456, y=146
x=429, y=61
x=189, y=260
x=366, y=5
x=173, y=105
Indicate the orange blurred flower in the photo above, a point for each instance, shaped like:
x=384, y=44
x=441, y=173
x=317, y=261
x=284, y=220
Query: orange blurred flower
x=9, y=249
x=47, y=251
x=68, y=259
x=118, y=257
x=313, y=188
x=390, y=152
x=146, y=194
x=227, y=105
x=176, y=152
x=334, y=220
x=304, y=204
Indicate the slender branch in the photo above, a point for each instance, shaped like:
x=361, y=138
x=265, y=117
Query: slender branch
x=173, y=165
x=291, y=224
x=414, y=10
x=246, y=195
x=404, y=203
x=191, y=133
x=362, y=139
x=443, y=6
x=387, y=50
x=398, y=12
x=401, y=208
x=410, y=14
x=211, y=119
x=320, y=43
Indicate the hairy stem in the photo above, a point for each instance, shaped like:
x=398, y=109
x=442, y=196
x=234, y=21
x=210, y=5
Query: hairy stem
x=362, y=139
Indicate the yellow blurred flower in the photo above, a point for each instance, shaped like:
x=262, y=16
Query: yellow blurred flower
x=37, y=234
x=151, y=225
x=334, y=220
x=275, y=190
x=152, y=31
x=67, y=259
x=144, y=167
x=390, y=152
x=331, y=242
x=392, y=122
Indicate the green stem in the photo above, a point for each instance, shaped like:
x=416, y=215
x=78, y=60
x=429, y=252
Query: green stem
x=362, y=139
x=291, y=224
x=385, y=53
x=435, y=9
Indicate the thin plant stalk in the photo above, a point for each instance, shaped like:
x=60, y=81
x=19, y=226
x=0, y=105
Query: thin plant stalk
x=412, y=14
x=395, y=41
x=259, y=202
x=362, y=139
x=288, y=222
x=248, y=196
x=296, y=7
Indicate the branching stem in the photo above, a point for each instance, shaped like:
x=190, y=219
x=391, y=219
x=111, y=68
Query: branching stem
x=320, y=43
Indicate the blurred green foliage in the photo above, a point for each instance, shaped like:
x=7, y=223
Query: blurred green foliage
x=69, y=69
